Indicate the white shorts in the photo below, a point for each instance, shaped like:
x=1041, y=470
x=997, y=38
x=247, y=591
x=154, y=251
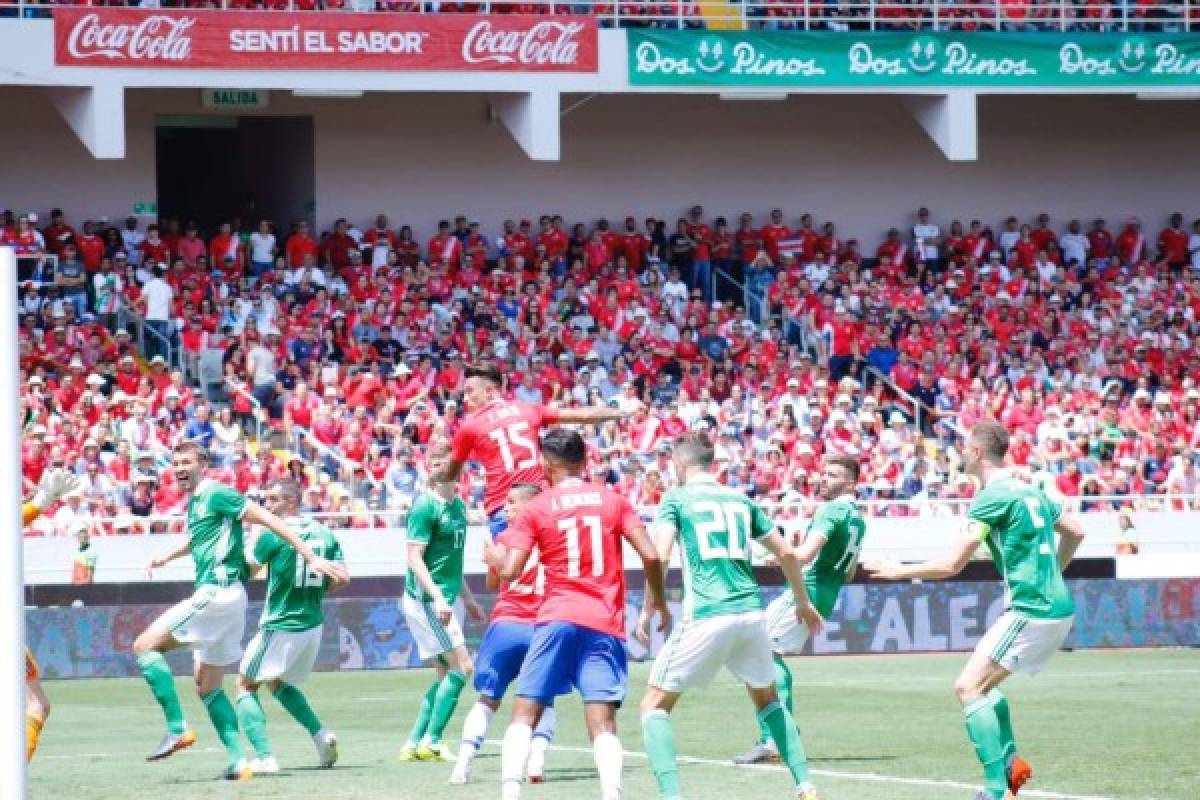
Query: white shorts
x=281, y=655
x=787, y=633
x=432, y=637
x=1023, y=644
x=698, y=648
x=212, y=621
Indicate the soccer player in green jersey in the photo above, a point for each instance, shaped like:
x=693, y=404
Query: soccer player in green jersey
x=722, y=622
x=283, y=652
x=830, y=551
x=213, y=619
x=1017, y=522
x=437, y=536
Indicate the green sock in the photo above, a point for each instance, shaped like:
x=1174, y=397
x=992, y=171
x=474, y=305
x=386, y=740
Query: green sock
x=162, y=684
x=254, y=723
x=984, y=730
x=659, y=741
x=422, y=724
x=1000, y=703
x=225, y=720
x=445, y=703
x=779, y=722
x=783, y=685
x=296, y=704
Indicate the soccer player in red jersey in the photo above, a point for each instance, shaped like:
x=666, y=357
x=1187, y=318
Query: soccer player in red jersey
x=503, y=437
x=578, y=529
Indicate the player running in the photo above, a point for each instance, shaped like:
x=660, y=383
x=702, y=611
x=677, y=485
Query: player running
x=503, y=436
x=437, y=537
x=722, y=624
x=1017, y=522
x=56, y=484
x=213, y=619
x=502, y=651
x=830, y=550
x=283, y=652
x=579, y=642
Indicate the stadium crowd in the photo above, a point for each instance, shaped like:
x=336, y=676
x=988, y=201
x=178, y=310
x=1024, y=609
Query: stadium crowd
x=342, y=353
x=831, y=15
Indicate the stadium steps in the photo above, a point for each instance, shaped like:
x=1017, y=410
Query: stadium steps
x=721, y=15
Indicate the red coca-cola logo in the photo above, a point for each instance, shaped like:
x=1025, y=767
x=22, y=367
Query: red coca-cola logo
x=156, y=38
x=545, y=43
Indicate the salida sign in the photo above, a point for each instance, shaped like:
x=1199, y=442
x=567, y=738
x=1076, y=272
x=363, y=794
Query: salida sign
x=119, y=37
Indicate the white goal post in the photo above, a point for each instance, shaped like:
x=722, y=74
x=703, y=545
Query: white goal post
x=12, y=621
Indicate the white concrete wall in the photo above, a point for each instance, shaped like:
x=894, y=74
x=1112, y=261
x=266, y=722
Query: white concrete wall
x=859, y=160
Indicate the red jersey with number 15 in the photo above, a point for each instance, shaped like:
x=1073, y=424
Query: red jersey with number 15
x=519, y=600
x=504, y=438
x=578, y=529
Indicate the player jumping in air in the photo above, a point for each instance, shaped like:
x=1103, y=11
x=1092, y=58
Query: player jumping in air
x=722, y=623
x=578, y=530
x=213, y=619
x=1017, y=522
x=283, y=652
x=437, y=537
x=56, y=483
x=830, y=551
x=502, y=651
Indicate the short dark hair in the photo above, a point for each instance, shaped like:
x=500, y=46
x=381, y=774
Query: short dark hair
x=488, y=372
x=564, y=446
x=847, y=463
x=289, y=488
x=992, y=438
x=192, y=446
x=695, y=449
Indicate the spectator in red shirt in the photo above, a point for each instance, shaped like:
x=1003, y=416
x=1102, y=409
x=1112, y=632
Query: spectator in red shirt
x=1173, y=243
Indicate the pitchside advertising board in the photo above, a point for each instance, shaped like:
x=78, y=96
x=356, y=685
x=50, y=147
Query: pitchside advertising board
x=1014, y=60
x=122, y=37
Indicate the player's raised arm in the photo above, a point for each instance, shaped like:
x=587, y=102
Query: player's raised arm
x=257, y=515
x=1071, y=534
x=592, y=415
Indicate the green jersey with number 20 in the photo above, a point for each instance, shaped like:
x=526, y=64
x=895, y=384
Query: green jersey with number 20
x=214, y=524
x=442, y=527
x=1016, y=521
x=294, y=594
x=842, y=525
x=714, y=525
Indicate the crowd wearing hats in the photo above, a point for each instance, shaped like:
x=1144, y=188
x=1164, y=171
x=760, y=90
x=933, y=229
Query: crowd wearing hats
x=343, y=355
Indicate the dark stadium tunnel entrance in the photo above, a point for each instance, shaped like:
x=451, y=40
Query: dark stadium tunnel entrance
x=258, y=167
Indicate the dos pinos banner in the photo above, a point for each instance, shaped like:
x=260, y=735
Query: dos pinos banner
x=794, y=59
x=124, y=37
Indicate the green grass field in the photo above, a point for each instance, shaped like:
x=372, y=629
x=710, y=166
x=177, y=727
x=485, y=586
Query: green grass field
x=1095, y=725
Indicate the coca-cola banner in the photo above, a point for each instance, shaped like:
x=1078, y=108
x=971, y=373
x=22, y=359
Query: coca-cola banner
x=122, y=37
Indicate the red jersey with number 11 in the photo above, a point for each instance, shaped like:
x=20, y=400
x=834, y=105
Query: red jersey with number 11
x=578, y=529
x=504, y=438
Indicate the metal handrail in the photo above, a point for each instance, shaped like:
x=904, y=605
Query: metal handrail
x=903, y=395
x=260, y=412
x=803, y=15
x=141, y=328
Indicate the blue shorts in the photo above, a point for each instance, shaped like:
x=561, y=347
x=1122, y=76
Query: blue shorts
x=500, y=656
x=498, y=522
x=565, y=656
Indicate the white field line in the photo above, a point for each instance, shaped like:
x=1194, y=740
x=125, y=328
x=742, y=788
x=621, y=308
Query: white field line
x=868, y=777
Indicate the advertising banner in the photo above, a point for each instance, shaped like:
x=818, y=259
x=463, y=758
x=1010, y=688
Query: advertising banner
x=127, y=37
x=1017, y=60
x=364, y=633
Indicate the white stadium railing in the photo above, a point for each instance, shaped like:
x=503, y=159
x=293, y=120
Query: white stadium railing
x=860, y=15
x=1166, y=533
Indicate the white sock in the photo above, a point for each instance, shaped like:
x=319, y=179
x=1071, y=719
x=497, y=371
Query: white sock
x=545, y=726
x=610, y=760
x=537, y=756
x=514, y=755
x=475, y=726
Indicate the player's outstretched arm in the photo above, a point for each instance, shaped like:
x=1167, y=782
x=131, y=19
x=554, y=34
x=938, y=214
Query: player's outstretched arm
x=257, y=515
x=182, y=549
x=1070, y=532
x=936, y=569
x=55, y=484
x=793, y=569
x=591, y=415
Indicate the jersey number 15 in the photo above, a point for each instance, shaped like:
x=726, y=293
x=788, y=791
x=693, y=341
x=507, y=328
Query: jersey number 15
x=513, y=442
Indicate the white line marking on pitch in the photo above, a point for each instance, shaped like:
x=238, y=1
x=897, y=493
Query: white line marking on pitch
x=870, y=777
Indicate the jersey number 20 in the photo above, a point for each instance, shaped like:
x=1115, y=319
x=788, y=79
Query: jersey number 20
x=732, y=519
